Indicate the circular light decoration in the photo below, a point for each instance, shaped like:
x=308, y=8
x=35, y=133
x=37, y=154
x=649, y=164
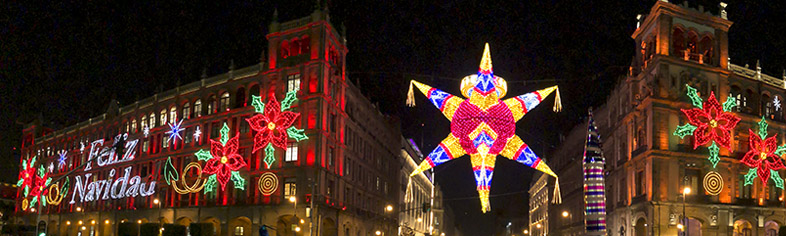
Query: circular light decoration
x=24, y=204
x=56, y=199
x=268, y=183
x=713, y=183
x=198, y=183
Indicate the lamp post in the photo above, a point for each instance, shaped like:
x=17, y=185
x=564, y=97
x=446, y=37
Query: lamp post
x=293, y=200
x=160, y=222
x=685, y=192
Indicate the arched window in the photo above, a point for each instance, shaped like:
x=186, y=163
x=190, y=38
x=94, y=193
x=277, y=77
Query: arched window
x=766, y=106
x=240, y=98
x=211, y=104
x=152, y=120
x=198, y=108
x=305, y=45
x=748, y=95
x=186, y=111
x=777, y=102
x=253, y=91
x=224, y=102
x=678, y=42
x=693, y=41
x=162, y=117
x=284, y=49
x=705, y=48
x=294, y=47
x=144, y=122
x=173, y=114
x=133, y=126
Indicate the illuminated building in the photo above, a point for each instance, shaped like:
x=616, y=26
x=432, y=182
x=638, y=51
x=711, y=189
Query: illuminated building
x=539, y=206
x=648, y=167
x=420, y=189
x=339, y=175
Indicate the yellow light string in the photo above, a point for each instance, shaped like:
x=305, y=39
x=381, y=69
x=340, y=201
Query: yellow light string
x=58, y=197
x=411, y=95
x=557, y=102
x=557, y=195
x=198, y=184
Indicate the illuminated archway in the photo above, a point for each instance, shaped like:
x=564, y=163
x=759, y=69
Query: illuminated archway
x=240, y=226
x=743, y=228
x=287, y=224
x=216, y=224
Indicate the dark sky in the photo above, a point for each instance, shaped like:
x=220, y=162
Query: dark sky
x=65, y=60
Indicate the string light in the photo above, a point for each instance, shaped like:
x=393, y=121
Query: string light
x=224, y=161
x=61, y=161
x=174, y=131
x=274, y=125
x=712, y=123
x=762, y=157
x=198, y=183
x=268, y=183
x=170, y=173
x=594, y=187
x=483, y=126
x=713, y=183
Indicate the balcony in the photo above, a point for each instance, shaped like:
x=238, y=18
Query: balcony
x=638, y=151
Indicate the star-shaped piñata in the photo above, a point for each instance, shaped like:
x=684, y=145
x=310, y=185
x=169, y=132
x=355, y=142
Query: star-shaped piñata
x=483, y=126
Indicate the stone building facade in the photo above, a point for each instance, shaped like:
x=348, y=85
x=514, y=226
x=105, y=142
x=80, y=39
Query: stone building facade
x=647, y=166
x=341, y=177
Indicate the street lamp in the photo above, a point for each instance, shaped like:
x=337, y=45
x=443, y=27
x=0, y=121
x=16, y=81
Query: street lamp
x=538, y=226
x=389, y=208
x=526, y=231
x=685, y=192
x=378, y=232
x=565, y=214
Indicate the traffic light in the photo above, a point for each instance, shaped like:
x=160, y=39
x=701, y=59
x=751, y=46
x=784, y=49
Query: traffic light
x=426, y=207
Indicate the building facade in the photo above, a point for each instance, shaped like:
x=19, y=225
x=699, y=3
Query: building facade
x=647, y=166
x=334, y=177
x=539, y=207
x=416, y=191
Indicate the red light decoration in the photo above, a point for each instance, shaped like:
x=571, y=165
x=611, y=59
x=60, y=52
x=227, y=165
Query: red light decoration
x=26, y=176
x=225, y=160
x=483, y=126
x=762, y=156
x=712, y=123
x=272, y=125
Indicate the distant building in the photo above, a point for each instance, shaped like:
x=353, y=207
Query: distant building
x=539, y=206
x=416, y=191
x=7, y=202
x=341, y=177
x=647, y=166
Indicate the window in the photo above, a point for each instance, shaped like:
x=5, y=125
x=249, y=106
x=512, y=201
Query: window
x=173, y=115
x=238, y=230
x=285, y=49
x=293, y=82
x=164, y=142
x=186, y=111
x=224, y=102
x=162, y=117
x=133, y=126
x=198, y=108
x=187, y=137
x=290, y=187
x=640, y=183
x=291, y=154
x=330, y=156
x=678, y=42
x=745, y=190
x=152, y=120
x=211, y=104
x=305, y=45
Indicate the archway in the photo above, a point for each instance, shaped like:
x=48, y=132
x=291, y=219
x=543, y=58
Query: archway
x=184, y=221
x=771, y=228
x=743, y=228
x=240, y=226
x=641, y=227
x=329, y=227
x=216, y=224
x=287, y=225
x=692, y=227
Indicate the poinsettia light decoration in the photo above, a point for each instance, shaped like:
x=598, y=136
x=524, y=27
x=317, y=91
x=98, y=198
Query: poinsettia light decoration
x=274, y=125
x=223, y=162
x=709, y=122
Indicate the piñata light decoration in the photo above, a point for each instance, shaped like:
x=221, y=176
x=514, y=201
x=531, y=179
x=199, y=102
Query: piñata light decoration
x=223, y=162
x=274, y=125
x=762, y=157
x=174, y=131
x=483, y=126
x=594, y=185
x=268, y=183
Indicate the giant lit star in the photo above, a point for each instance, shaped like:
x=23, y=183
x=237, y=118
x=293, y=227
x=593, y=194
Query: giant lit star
x=483, y=126
x=174, y=131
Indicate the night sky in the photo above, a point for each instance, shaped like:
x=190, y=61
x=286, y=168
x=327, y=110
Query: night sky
x=66, y=60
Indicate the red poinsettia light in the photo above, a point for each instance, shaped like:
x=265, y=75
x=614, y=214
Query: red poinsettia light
x=762, y=156
x=39, y=187
x=712, y=123
x=27, y=174
x=272, y=125
x=225, y=160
